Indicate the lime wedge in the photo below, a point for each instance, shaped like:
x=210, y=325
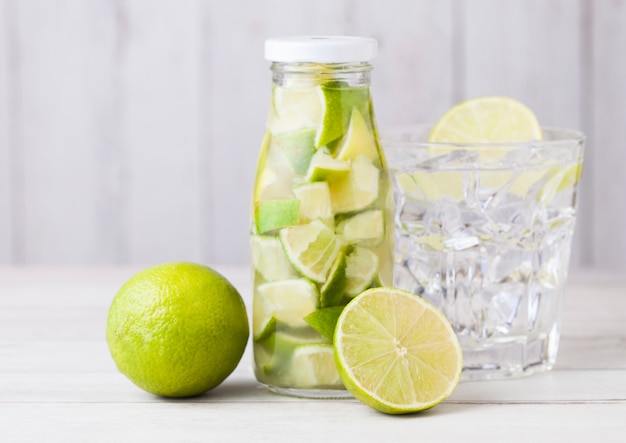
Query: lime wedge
x=325, y=320
x=356, y=190
x=396, y=352
x=361, y=269
x=331, y=291
x=269, y=260
x=311, y=248
x=315, y=203
x=297, y=147
x=324, y=167
x=359, y=140
x=339, y=99
x=276, y=214
x=295, y=107
x=287, y=301
x=313, y=366
x=365, y=228
x=485, y=120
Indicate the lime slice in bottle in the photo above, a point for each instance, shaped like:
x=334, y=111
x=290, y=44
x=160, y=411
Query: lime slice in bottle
x=313, y=366
x=356, y=190
x=361, y=269
x=359, y=140
x=295, y=107
x=486, y=120
x=315, y=203
x=269, y=259
x=366, y=228
x=396, y=352
x=311, y=248
x=324, y=167
x=297, y=146
x=276, y=214
x=331, y=292
x=287, y=301
x=338, y=101
x=324, y=320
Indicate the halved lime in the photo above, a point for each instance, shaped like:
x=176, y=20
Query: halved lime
x=315, y=203
x=359, y=140
x=361, y=269
x=324, y=167
x=356, y=190
x=485, y=120
x=269, y=260
x=396, y=352
x=313, y=366
x=311, y=248
x=287, y=301
x=366, y=228
x=276, y=214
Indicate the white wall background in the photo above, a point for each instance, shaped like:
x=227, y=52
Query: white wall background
x=129, y=129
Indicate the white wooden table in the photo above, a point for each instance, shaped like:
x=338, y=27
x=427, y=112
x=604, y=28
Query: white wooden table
x=59, y=384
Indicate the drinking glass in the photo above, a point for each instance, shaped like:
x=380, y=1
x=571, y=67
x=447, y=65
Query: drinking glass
x=484, y=232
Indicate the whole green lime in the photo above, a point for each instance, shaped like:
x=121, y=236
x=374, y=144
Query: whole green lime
x=177, y=329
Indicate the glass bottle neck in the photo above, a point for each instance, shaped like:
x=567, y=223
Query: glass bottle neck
x=355, y=74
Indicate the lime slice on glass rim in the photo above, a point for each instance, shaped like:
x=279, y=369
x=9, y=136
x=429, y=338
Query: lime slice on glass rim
x=396, y=352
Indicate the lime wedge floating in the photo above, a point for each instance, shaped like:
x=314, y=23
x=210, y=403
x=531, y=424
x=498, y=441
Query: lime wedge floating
x=287, y=301
x=324, y=320
x=315, y=203
x=485, y=120
x=331, y=291
x=361, y=268
x=339, y=99
x=295, y=107
x=324, y=167
x=269, y=260
x=264, y=328
x=356, y=190
x=297, y=146
x=359, y=140
x=313, y=366
x=406, y=183
x=311, y=248
x=559, y=180
x=276, y=214
x=365, y=228
x=396, y=352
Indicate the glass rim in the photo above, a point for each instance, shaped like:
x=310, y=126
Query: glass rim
x=389, y=137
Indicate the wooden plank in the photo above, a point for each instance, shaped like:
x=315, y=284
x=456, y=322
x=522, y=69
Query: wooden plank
x=530, y=50
x=64, y=120
x=6, y=188
x=159, y=79
x=606, y=150
x=308, y=421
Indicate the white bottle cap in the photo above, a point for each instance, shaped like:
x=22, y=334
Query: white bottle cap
x=321, y=49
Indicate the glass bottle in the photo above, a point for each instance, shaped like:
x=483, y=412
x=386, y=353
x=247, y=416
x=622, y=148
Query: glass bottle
x=322, y=228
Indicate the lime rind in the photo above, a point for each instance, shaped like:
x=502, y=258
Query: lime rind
x=331, y=291
x=297, y=147
x=272, y=215
x=323, y=167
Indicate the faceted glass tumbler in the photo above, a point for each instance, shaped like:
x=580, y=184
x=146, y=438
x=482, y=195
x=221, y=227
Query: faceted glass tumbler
x=484, y=232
